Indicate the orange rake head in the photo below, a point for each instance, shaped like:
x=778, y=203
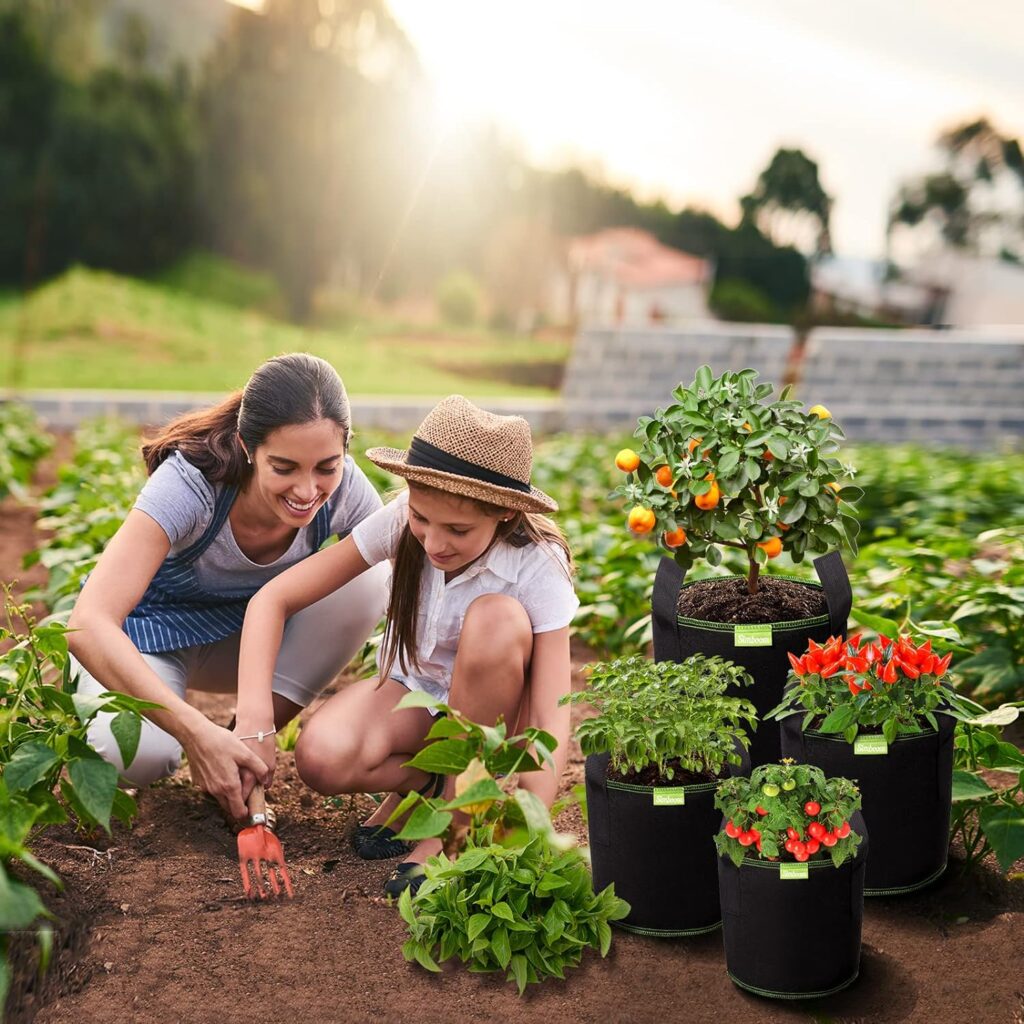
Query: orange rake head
x=260, y=857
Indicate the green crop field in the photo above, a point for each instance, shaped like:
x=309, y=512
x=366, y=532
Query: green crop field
x=205, y=326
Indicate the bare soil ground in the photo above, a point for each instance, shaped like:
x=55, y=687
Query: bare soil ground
x=152, y=926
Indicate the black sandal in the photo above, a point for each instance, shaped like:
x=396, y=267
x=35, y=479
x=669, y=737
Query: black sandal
x=379, y=842
x=408, y=875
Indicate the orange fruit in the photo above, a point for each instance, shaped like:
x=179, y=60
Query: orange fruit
x=663, y=475
x=820, y=411
x=641, y=520
x=771, y=547
x=627, y=460
x=708, y=501
x=692, y=443
x=767, y=456
x=675, y=538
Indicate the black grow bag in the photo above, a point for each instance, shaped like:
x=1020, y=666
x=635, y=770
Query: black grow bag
x=794, y=939
x=661, y=858
x=906, y=796
x=677, y=638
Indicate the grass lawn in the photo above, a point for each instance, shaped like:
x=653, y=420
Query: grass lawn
x=89, y=329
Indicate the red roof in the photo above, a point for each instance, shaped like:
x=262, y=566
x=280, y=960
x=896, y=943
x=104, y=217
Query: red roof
x=635, y=258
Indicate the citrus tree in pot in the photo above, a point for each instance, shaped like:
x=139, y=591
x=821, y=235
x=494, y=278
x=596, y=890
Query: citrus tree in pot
x=725, y=468
x=878, y=712
x=792, y=854
x=663, y=738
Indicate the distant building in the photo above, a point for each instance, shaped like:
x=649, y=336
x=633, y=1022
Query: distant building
x=626, y=276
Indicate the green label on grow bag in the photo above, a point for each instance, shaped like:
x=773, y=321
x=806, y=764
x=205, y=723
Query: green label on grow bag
x=753, y=636
x=670, y=797
x=787, y=871
x=874, y=744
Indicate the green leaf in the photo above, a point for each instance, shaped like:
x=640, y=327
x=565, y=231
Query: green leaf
x=519, y=970
x=94, y=783
x=503, y=910
x=448, y=757
x=1003, y=826
x=880, y=625
x=425, y=823
x=20, y=904
x=967, y=787
x=417, y=699
x=126, y=727
x=500, y=947
x=478, y=924
x=839, y=719
x=30, y=763
x=480, y=792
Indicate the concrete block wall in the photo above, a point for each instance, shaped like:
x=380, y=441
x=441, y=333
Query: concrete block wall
x=614, y=376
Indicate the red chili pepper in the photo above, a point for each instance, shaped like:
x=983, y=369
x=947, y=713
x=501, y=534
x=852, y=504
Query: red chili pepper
x=851, y=682
x=888, y=673
x=884, y=642
x=943, y=664
x=831, y=670
x=857, y=664
x=928, y=664
x=910, y=671
x=796, y=662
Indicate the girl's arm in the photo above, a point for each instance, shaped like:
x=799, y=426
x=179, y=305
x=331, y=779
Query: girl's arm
x=98, y=641
x=550, y=680
x=296, y=588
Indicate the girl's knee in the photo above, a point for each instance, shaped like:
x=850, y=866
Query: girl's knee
x=325, y=758
x=498, y=618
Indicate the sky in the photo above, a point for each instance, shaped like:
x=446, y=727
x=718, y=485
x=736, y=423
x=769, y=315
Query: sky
x=687, y=100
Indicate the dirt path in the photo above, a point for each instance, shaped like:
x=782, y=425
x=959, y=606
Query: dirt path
x=153, y=929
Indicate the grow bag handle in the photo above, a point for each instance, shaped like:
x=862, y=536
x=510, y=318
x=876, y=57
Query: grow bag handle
x=838, y=593
x=668, y=581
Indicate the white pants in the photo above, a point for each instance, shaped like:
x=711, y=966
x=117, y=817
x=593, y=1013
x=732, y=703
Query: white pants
x=318, y=643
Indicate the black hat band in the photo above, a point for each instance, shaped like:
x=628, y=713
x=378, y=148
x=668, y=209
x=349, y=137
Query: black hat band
x=424, y=455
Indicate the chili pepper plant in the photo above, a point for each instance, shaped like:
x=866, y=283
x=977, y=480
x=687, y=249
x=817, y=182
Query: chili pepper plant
x=674, y=717
x=787, y=811
x=722, y=467
x=508, y=893
x=888, y=686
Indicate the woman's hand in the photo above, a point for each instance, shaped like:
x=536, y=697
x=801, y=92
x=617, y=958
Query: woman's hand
x=266, y=752
x=225, y=767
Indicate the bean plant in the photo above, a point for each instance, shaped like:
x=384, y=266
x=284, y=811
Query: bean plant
x=666, y=714
x=508, y=893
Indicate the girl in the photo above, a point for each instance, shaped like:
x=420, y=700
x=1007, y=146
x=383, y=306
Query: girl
x=479, y=613
x=237, y=494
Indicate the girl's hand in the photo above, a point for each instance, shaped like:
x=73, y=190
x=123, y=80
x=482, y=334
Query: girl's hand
x=218, y=760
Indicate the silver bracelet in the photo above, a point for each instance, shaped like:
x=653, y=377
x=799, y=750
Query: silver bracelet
x=259, y=736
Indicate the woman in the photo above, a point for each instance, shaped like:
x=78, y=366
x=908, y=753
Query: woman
x=237, y=494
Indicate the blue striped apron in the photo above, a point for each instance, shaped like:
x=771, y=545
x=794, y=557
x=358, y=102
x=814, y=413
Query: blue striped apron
x=176, y=612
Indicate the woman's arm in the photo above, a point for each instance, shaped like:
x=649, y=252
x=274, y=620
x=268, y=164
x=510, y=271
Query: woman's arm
x=296, y=588
x=98, y=641
x=550, y=680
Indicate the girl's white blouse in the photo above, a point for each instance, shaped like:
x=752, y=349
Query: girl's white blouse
x=536, y=576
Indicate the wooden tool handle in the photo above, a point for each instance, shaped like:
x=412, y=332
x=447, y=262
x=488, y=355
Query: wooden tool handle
x=257, y=802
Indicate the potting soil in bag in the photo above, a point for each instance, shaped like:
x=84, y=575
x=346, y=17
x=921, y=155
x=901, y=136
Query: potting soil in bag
x=906, y=797
x=794, y=938
x=657, y=845
x=760, y=649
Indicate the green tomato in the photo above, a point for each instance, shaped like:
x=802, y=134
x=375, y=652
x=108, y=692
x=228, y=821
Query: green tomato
x=770, y=789
x=789, y=785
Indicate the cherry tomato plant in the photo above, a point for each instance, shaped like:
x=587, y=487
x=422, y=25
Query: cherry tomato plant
x=723, y=467
x=888, y=686
x=787, y=812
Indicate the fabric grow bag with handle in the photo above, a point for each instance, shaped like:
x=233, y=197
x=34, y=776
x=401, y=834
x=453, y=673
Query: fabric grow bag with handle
x=659, y=852
x=761, y=650
x=906, y=795
x=771, y=926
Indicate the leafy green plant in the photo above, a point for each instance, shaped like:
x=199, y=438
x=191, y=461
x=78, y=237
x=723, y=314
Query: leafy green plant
x=48, y=772
x=672, y=716
x=23, y=442
x=508, y=893
x=988, y=788
x=721, y=467
x=844, y=686
x=787, y=809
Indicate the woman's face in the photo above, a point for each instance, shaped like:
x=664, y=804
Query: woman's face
x=296, y=470
x=453, y=531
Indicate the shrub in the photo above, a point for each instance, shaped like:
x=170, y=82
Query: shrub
x=458, y=299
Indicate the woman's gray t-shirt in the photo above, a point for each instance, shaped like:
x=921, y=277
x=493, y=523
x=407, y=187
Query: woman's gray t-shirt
x=181, y=500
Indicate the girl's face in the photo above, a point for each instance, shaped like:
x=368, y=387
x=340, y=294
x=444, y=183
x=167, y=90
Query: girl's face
x=296, y=470
x=453, y=531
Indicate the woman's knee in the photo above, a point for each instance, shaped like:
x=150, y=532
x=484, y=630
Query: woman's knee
x=157, y=755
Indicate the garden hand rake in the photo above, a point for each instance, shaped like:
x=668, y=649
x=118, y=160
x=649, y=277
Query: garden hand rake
x=260, y=850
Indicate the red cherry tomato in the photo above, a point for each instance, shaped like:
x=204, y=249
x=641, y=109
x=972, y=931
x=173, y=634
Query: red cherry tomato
x=829, y=839
x=816, y=830
x=731, y=830
x=790, y=843
x=755, y=832
x=792, y=833
x=757, y=843
x=746, y=839
x=812, y=846
x=761, y=810
x=799, y=849
x=811, y=808
x=801, y=856
x=843, y=831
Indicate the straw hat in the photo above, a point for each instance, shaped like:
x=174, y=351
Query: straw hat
x=463, y=449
